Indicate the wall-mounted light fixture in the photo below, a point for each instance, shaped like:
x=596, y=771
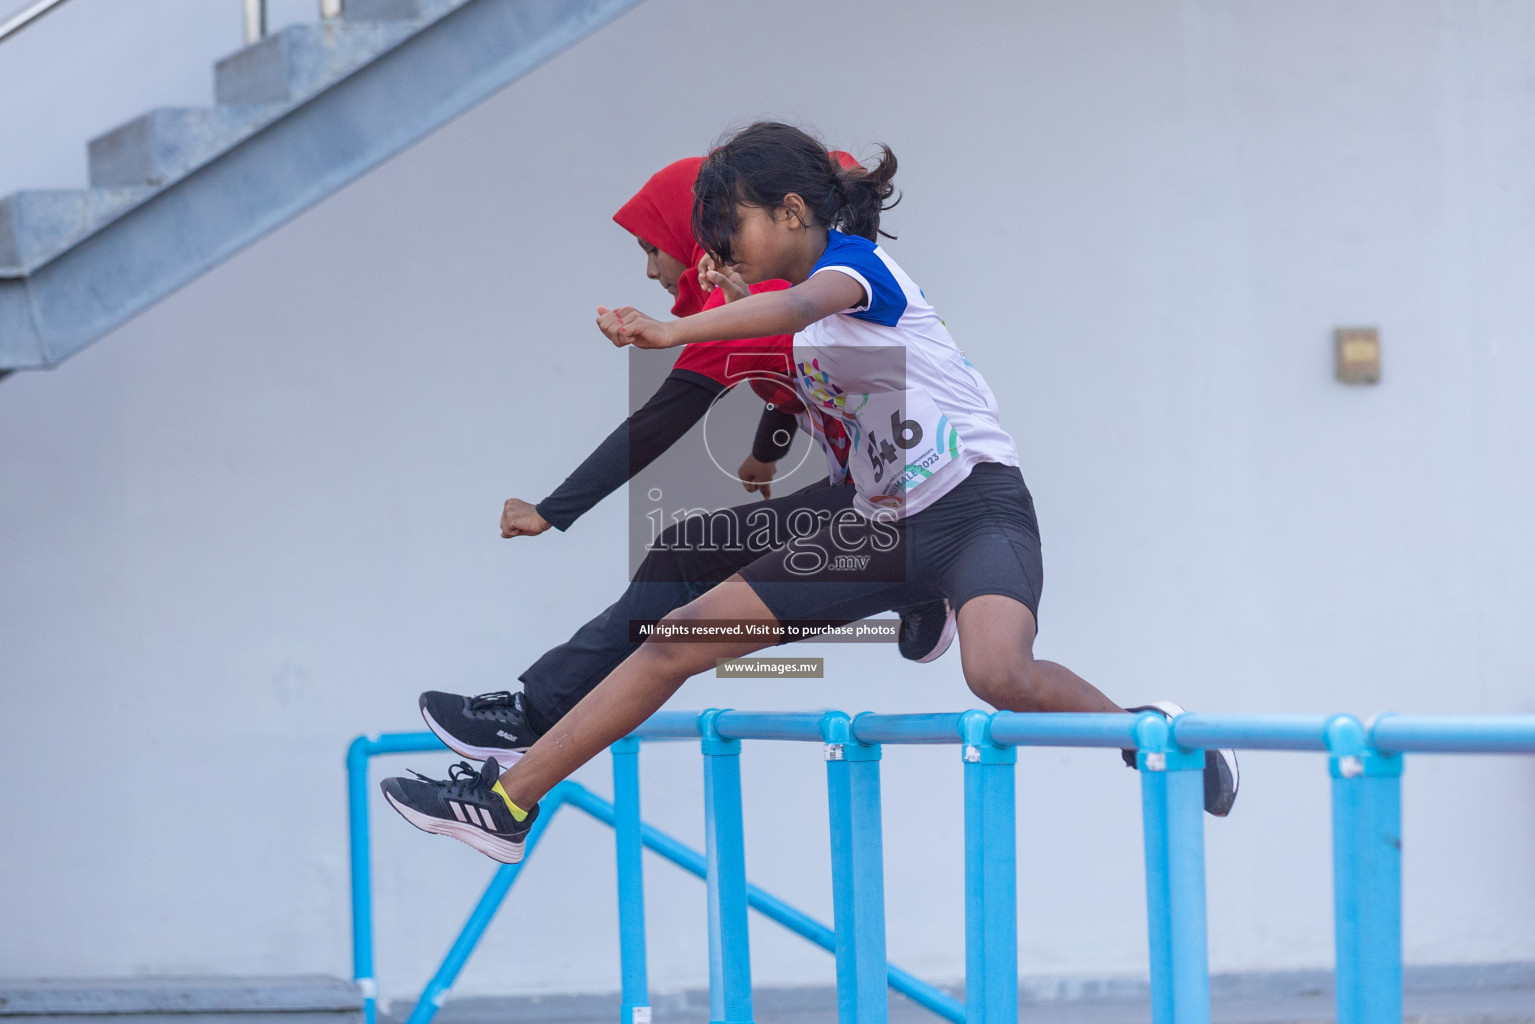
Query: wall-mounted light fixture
x=1357, y=354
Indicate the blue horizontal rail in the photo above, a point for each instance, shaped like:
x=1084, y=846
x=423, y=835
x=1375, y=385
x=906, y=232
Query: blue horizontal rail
x=1252, y=732
x=1364, y=760
x=1454, y=734
x=670, y=725
x=750, y=725
x=872, y=728
x=1009, y=729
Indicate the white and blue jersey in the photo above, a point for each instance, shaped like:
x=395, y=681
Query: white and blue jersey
x=917, y=413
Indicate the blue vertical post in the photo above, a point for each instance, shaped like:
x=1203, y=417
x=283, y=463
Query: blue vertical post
x=631, y=882
x=991, y=876
x=1367, y=875
x=1172, y=810
x=858, y=873
x=730, y=979
x=362, y=881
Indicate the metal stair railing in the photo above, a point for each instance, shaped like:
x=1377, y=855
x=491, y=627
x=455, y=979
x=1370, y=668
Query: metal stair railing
x=176, y=191
x=255, y=12
x=1364, y=760
x=26, y=16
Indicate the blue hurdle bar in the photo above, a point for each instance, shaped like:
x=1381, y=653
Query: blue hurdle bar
x=1365, y=762
x=1251, y=732
x=1453, y=734
x=574, y=795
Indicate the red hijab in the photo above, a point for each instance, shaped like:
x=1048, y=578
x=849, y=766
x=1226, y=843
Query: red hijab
x=661, y=213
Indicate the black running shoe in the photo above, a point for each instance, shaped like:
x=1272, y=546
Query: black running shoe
x=1221, y=775
x=927, y=631
x=490, y=725
x=464, y=807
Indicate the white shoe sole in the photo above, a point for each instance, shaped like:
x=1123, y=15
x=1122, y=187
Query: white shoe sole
x=505, y=756
x=504, y=850
x=950, y=628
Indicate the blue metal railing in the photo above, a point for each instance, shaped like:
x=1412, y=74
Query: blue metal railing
x=1365, y=761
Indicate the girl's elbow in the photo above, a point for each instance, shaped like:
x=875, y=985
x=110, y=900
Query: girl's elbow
x=802, y=313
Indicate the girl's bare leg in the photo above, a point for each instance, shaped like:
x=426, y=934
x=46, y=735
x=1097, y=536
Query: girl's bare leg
x=996, y=642
x=996, y=636
x=633, y=692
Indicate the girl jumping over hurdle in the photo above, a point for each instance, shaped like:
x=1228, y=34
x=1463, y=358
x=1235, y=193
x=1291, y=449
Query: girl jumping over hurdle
x=505, y=723
x=939, y=503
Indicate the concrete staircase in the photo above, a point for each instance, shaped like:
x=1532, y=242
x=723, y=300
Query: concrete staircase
x=298, y=115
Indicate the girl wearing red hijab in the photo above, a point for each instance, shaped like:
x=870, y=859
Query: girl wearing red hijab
x=660, y=217
x=680, y=567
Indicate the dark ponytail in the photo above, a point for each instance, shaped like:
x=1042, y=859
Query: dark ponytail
x=864, y=195
x=763, y=163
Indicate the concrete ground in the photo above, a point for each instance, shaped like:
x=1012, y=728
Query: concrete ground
x=1501, y=1000
x=1465, y=994
x=1508, y=1007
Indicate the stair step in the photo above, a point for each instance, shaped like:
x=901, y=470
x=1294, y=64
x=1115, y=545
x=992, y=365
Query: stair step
x=165, y=144
x=37, y=224
x=220, y=179
x=156, y=996
x=302, y=59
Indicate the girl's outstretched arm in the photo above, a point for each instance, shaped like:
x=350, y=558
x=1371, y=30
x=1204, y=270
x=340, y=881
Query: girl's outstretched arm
x=755, y=316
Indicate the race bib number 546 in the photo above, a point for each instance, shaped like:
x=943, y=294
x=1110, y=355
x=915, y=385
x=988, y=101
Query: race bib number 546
x=905, y=439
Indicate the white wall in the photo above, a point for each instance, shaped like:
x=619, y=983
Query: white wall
x=260, y=518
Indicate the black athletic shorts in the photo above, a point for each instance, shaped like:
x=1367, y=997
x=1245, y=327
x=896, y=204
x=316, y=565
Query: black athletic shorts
x=980, y=538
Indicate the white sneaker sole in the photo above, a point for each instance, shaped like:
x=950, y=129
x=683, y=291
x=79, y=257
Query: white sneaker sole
x=505, y=756
x=506, y=851
x=950, y=628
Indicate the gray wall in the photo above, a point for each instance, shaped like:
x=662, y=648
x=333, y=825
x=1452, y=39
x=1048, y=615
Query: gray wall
x=260, y=518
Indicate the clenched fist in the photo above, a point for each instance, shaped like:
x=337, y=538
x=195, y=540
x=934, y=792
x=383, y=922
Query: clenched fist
x=520, y=519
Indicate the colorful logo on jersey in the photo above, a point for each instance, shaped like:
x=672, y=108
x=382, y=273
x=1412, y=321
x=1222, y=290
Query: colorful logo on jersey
x=948, y=437
x=817, y=384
